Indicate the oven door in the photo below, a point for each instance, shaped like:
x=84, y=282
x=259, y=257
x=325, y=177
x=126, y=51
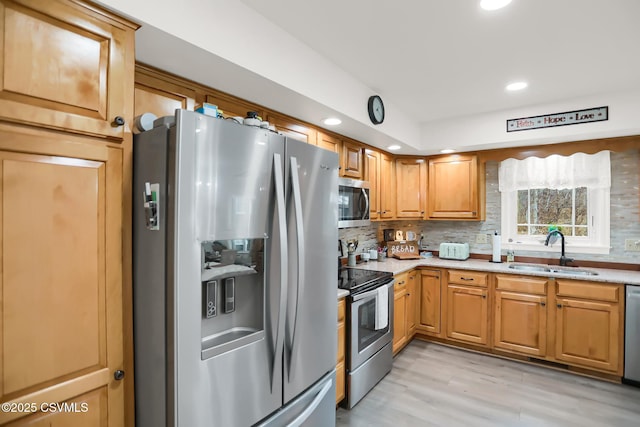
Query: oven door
x=364, y=339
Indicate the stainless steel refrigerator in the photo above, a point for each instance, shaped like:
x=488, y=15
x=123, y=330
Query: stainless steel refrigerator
x=234, y=276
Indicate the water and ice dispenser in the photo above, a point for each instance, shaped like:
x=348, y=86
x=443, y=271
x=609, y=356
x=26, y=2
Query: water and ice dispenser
x=232, y=275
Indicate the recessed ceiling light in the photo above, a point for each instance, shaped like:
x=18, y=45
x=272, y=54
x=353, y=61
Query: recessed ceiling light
x=448, y=151
x=332, y=121
x=393, y=147
x=516, y=86
x=493, y=4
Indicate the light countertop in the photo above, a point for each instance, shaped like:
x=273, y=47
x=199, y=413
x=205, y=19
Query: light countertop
x=342, y=293
x=397, y=266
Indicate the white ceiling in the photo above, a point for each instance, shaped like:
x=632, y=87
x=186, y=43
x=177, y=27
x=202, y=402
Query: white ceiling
x=441, y=59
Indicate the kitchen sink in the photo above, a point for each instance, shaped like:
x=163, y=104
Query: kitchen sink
x=553, y=269
x=530, y=267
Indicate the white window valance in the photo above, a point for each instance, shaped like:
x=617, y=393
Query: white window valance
x=556, y=172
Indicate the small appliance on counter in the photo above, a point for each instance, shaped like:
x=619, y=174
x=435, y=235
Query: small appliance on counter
x=458, y=251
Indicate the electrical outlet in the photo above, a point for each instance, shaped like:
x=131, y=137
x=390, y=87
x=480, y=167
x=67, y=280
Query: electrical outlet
x=632, y=245
x=482, y=238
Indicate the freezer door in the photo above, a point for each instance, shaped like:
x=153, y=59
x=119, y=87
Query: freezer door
x=312, y=222
x=314, y=408
x=232, y=189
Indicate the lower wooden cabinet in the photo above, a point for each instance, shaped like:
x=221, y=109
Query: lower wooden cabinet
x=589, y=325
x=340, y=366
x=400, y=312
x=520, y=320
x=429, y=312
x=405, y=308
x=468, y=307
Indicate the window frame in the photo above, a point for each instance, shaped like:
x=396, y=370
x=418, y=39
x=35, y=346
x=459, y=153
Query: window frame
x=598, y=241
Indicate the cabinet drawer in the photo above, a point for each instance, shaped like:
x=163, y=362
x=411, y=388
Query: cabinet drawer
x=529, y=285
x=588, y=290
x=341, y=310
x=469, y=278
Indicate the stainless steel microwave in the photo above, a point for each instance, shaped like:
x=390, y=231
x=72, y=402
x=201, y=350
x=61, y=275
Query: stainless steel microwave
x=353, y=203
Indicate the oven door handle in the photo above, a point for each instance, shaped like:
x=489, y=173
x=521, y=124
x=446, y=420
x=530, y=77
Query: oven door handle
x=373, y=292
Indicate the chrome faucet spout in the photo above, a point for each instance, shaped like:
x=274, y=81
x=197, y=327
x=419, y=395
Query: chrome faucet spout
x=563, y=259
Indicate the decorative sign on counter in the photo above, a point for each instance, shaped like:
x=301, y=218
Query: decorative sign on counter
x=598, y=114
x=403, y=249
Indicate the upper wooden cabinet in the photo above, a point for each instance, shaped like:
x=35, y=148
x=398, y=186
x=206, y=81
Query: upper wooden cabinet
x=351, y=161
x=292, y=128
x=329, y=142
x=411, y=188
x=453, y=187
x=387, y=182
x=232, y=106
x=160, y=96
x=66, y=65
x=372, y=175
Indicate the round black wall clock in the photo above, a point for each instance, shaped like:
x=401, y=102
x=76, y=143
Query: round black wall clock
x=376, y=109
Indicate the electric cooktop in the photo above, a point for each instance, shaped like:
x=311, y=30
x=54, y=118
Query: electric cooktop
x=356, y=280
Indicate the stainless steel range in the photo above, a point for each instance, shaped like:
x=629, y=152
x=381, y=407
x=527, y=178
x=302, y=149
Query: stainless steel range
x=369, y=329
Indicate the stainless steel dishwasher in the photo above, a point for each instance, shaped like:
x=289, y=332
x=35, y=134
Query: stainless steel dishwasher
x=632, y=336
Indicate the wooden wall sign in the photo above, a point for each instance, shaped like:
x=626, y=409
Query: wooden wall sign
x=597, y=114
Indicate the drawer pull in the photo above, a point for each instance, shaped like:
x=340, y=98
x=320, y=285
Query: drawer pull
x=468, y=279
x=542, y=303
x=559, y=305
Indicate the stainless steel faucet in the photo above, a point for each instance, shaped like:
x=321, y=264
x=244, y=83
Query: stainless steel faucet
x=563, y=259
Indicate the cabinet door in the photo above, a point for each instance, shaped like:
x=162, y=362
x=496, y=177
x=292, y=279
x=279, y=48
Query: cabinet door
x=399, y=318
x=65, y=66
x=387, y=187
x=155, y=94
x=413, y=284
x=292, y=128
x=430, y=302
x=61, y=281
x=453, y=187
x=372, y=174
x=329, y=142
x=467, y=318
x=521, y=323
x=351, y=160
x=588, y=333
x=411, y=182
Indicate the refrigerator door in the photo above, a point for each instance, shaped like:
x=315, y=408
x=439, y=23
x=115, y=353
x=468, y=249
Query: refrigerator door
x=229, y=194
x=312, y=215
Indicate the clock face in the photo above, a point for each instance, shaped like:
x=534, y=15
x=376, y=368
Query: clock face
x=376, y=109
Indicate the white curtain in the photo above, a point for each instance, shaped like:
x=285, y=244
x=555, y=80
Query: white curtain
x=556, y=172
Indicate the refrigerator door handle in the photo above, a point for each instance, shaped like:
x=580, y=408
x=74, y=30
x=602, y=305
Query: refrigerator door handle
x=297, y=422
x=297, y=205
x=282, y=225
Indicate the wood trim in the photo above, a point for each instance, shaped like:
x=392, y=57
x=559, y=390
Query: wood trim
x=590, y=146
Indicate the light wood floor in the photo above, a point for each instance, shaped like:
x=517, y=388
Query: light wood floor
x=435, y=385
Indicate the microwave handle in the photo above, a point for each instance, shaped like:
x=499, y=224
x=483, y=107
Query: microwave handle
x=365, y=213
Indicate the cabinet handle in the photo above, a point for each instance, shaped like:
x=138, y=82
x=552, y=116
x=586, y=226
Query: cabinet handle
x=408, y=294
x=559, y=305
x=347, y=169
x=118, y=121
x=542, y=303
x=468, y=279
x=474, y=213
x=484, y=296
x=118, y=375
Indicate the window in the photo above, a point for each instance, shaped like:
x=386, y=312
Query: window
x=570, y=193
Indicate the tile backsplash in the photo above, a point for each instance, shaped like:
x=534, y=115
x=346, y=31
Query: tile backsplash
x=625, y=218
